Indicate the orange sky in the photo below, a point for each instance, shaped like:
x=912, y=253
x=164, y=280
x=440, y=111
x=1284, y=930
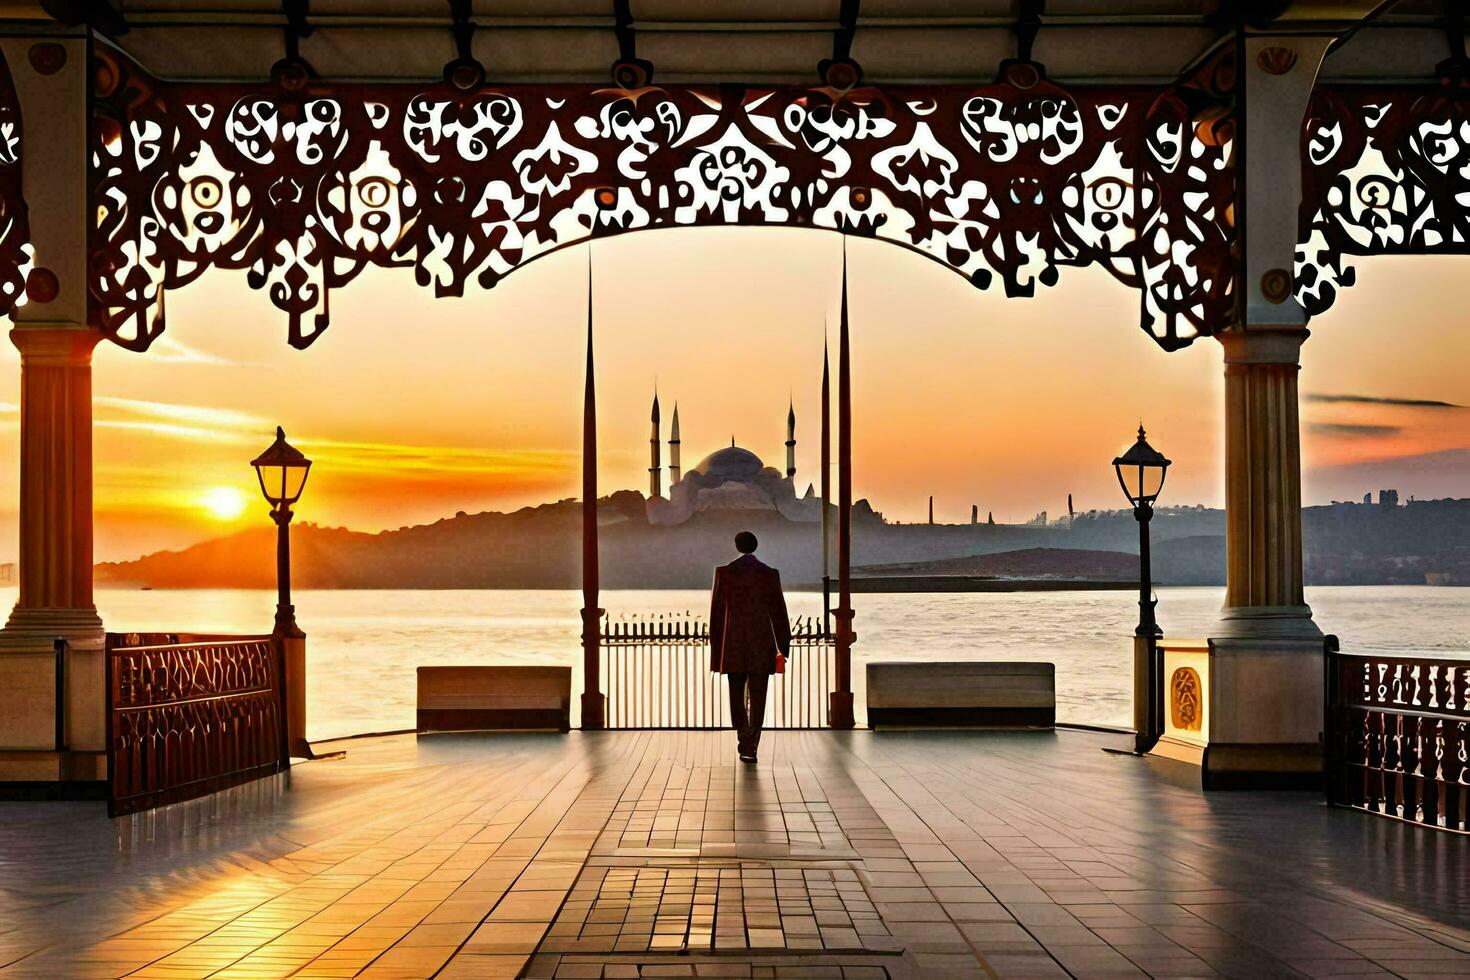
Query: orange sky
x=414, y=408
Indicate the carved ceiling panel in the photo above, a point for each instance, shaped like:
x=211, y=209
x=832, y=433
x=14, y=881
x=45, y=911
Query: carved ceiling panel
x=1385, y=172
x=1006, y=184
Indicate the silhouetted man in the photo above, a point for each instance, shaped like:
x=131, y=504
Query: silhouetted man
x=747, y=629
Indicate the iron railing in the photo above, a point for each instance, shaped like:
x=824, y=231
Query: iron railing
x=190, y=715
x=658, y=675
x=1396, y=734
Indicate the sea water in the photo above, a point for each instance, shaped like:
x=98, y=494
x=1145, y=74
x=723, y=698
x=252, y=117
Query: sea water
x=363, y=646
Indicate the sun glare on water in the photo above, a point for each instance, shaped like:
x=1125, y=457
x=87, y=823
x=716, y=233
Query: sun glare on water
x=224, y=503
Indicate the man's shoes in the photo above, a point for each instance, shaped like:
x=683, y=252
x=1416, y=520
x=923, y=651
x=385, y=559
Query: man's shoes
x=747, y=758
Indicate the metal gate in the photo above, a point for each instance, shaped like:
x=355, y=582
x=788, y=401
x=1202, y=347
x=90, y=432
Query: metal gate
x=657, y=675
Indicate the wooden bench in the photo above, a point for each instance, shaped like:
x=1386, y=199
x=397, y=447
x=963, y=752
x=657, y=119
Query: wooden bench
x=459, y=699
x=966, y=694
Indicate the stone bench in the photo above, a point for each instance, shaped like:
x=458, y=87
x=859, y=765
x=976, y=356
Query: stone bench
x=458, y=699
x=961, y=695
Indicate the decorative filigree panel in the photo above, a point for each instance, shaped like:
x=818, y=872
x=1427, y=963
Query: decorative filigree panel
x=1400, y=737
x=189, y=719
x=302, y=191
x=1385, y=172
x=15, y=248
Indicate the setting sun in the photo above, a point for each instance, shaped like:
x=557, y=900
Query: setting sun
x=224, y=503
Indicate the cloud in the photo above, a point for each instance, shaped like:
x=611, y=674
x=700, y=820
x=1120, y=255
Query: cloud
x=203, y=424
x=429, y=462
x=1375, y=400
x=1353, y=431
x=193, y=423
x=172, y=412
x=166, y=350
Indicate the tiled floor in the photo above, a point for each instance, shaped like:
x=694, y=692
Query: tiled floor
x=715, y=905
x=844, y=855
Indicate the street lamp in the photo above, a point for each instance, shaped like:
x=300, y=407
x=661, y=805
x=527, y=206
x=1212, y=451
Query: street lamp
x=1141, y=470
x=1141, y=474
x=282, y=471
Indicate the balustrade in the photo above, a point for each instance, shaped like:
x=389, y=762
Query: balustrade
x=1397, y=737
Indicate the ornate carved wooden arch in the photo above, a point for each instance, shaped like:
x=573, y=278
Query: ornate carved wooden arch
x=1386, y=171
x=303, y=190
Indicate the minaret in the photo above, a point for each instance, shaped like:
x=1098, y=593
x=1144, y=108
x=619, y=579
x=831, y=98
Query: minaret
x=674, y=471
x=791, y=441
x=654, y=469
x=931, y=508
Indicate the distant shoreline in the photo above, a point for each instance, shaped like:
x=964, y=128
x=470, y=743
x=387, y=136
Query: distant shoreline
x=859, y=586
x=869, y=584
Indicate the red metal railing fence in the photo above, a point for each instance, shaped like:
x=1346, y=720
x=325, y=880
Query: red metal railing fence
x=190, y=715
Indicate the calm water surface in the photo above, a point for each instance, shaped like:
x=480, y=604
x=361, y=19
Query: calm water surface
x=363, y=646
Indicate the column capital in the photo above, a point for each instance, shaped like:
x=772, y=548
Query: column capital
x=1246, y=345
x=55, y=344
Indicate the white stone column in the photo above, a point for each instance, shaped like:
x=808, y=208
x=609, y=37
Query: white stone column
x=51, y=331
x=1265, y=688
x=1263, y=487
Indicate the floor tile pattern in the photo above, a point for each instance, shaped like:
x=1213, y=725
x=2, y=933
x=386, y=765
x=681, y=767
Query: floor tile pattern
x=980, y=855
x=804, y=967
x=716, y=906
x=725, y=810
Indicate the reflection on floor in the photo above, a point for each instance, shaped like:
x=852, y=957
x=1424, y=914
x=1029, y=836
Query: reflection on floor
x=631, y=854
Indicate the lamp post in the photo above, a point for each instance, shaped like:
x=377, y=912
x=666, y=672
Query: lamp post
x=282, y=471
x=1141, y=470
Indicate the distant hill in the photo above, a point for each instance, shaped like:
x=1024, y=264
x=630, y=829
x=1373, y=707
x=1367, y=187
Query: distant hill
x=540, y=548
x=1196, y=559
x=1068, y=563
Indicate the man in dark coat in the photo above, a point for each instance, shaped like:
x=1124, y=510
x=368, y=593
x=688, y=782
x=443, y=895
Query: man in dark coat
x=747, y=629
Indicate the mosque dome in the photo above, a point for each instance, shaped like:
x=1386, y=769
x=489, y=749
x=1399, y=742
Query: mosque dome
x=731, y=463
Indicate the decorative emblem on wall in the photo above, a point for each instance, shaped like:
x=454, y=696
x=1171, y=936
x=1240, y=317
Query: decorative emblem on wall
x=304, y=190
x=1276, y=285
x=1276, y=60
x=1186, y=710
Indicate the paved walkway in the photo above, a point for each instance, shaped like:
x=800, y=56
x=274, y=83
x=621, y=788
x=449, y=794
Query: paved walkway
x=845, y=855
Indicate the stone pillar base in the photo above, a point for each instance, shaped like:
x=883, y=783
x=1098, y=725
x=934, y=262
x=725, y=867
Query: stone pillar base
x=28, y=679
x=33, y=630
x=1259, y=766
x=42, y=775
x=1265, y=710
x=1269, y=623
x=38, y=762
